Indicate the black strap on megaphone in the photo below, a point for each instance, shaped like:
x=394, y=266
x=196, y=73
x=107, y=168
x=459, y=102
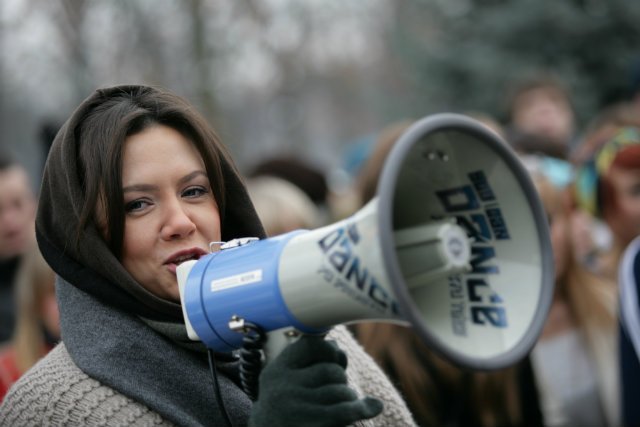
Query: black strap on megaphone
x=251, y=358
x=250, y=364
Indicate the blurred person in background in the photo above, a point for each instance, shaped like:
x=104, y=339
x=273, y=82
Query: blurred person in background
x=593, y=238
x=575, y=361
x=309, y=178
x=540, y=107
x=38, y=321
x=366, y=182
x=542, y=125
x=608, y=187
x=17, y=214
x=281, y=205
x=602, y=126
x=589, y=235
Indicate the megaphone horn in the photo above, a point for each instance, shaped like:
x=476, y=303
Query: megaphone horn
x=454, y=245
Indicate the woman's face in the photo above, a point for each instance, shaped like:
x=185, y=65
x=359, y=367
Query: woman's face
x=17, y=210
x=624, y=217
x=171, y=213
x=545, y=112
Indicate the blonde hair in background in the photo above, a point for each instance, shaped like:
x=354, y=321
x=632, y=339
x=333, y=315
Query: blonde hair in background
x=591, y=301
x=34, y=281
x=591, y=298
x=281, y=206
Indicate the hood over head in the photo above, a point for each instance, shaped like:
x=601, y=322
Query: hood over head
x=83, y=257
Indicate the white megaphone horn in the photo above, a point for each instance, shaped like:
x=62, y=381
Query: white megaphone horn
x=455, y=245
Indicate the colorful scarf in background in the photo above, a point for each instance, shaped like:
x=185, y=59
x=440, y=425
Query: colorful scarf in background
x=588, y=175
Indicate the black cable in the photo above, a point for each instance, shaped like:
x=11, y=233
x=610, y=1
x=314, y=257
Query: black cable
x=251, y=358
x=216, y=387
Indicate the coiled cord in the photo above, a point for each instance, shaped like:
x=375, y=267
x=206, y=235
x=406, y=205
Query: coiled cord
x=251, y=358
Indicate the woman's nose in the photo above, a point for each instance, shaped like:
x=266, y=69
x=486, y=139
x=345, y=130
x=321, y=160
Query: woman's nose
x=177, y=222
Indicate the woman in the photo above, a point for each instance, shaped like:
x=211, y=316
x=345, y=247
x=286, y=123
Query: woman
x=607, y=170
x=137, y=182
x=608, y=187
x=37, y=325
x=575, y=359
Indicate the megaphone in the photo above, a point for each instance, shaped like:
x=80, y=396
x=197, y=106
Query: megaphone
x=454, y=245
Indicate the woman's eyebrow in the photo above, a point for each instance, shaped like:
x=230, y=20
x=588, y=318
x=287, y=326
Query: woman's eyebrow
x=191, y=176
x=152, y=187
x=139, y=187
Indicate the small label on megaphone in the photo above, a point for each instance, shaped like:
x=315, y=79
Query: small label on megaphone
x=236, y=280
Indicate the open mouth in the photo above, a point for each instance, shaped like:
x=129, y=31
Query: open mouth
x=182, y=256
x=179, y=260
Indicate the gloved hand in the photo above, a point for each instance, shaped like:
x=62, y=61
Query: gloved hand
x=306, y=385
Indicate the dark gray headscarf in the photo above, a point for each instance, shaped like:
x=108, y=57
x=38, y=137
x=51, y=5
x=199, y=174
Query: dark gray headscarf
x=114, y=329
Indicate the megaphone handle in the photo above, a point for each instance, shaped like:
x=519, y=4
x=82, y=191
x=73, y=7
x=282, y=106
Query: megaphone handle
x=279, y=339
x=255, y=343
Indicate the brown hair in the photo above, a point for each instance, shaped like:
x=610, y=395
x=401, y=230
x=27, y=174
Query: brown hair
x=627, y=159
x=545, y=81
x=428, y=381
x=602, y=128
x=103, y=133
x=590, y=298
x=367, y=180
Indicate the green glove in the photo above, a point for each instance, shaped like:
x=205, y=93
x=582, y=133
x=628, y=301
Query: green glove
x=306, y=385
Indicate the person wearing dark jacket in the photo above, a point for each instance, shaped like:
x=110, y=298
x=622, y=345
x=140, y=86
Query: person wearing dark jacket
x=136, y=182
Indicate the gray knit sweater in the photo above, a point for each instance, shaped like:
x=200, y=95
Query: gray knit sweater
x=55, y=392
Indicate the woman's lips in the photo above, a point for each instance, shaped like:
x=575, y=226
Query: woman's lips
x=177, y=258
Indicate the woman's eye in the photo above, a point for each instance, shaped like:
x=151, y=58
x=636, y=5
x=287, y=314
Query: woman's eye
x=135, y=205
x=193, y=192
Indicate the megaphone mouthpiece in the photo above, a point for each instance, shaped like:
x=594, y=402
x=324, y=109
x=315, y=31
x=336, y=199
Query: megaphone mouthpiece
x=431, y=252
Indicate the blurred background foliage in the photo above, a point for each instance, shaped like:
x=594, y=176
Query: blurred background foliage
x=476, y=47
x=306, y=77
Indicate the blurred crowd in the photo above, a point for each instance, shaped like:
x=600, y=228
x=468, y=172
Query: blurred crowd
x=583, y=370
